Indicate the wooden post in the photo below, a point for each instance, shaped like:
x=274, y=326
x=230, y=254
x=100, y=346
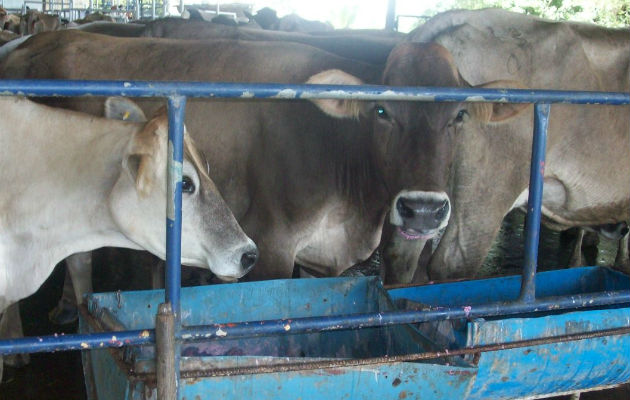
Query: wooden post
x=165, y=353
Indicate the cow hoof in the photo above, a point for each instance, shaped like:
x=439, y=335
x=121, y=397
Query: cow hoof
x=65, y=313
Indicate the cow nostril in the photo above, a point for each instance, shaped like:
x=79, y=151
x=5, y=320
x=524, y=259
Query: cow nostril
x=249, y=259
x=403, y=209
x=442, y=212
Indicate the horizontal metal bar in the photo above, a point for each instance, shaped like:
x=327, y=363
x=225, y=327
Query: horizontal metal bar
x=356, y=362
x=61, y=342
x=366, y=320
x=302, y=91
x=312, y=324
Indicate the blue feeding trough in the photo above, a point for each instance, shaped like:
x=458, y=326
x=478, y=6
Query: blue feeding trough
x=372, y=362
x=130, y=373
x=540, y=369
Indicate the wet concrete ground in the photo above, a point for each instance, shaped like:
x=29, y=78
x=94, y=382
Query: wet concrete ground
x=59, y=375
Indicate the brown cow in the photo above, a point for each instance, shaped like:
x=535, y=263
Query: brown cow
x=35, y=22
x=491, y=172
x=368, y=46
x=3, y=17
x=9, y=22
x=307, y=186
x=268, y=19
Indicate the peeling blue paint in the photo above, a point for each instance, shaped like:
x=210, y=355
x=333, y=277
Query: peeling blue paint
x=177, y=92
x=46, y=87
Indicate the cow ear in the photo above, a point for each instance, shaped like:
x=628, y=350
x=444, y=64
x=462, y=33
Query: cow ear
x=338, y=108
x=146, y=151
x=123, y=109
x=498, y=112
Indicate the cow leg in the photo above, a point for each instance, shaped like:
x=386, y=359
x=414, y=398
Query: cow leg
x=11, y=328
x=77, y=282
x=622, y=260
x=576, y=254
x=401, y=257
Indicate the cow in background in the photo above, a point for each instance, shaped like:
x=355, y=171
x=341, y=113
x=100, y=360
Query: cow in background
x=35, y=22
x=367, y=46
x=490, y=173
x=9, y=23
x=268, y=19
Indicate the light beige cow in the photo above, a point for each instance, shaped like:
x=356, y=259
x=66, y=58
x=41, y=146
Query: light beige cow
x=84, y=182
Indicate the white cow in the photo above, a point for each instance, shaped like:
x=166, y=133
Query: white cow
x=73, y=183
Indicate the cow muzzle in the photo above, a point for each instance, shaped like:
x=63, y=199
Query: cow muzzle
x=244, y=259
x=420, y=215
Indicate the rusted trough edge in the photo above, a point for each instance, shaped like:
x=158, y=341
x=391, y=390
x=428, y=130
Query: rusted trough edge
x=310, y=324
x=305, y=366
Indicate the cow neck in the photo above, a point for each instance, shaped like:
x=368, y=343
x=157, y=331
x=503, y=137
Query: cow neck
x=357, y=177
x=64, y=210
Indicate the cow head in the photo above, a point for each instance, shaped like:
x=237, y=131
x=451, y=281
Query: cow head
x=211, y=237
x=414, y=143
x=3, y=17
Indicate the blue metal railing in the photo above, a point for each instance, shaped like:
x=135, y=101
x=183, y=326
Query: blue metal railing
x=176, y=94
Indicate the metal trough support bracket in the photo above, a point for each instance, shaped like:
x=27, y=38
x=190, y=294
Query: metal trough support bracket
x=534, y=201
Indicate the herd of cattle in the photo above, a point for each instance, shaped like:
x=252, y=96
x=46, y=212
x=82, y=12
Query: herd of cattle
x=323, y=183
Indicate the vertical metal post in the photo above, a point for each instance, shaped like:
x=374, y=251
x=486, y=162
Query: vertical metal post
x=176, y=112
x=390, y=19
x=152, y=9
x=169, y=319
x=534, y=201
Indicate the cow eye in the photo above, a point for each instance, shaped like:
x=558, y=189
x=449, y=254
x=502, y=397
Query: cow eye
x=187, y=185
x=381, y=112
x=460, y=116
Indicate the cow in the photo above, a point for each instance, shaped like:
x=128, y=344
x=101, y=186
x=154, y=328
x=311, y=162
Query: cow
x=7, y=36
x=310, y=182
x=9, y=22
x=3, y=17
x=85, y=182
x=112, y=28
x=367, y=46
x=268, y=19
x=36, y=21
x=492, y=162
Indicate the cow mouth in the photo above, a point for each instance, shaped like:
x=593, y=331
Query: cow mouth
x=412, y=234
x=226, y=279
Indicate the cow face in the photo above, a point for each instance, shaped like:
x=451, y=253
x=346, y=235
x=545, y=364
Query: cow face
x=414, y=143
x=211, y=237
